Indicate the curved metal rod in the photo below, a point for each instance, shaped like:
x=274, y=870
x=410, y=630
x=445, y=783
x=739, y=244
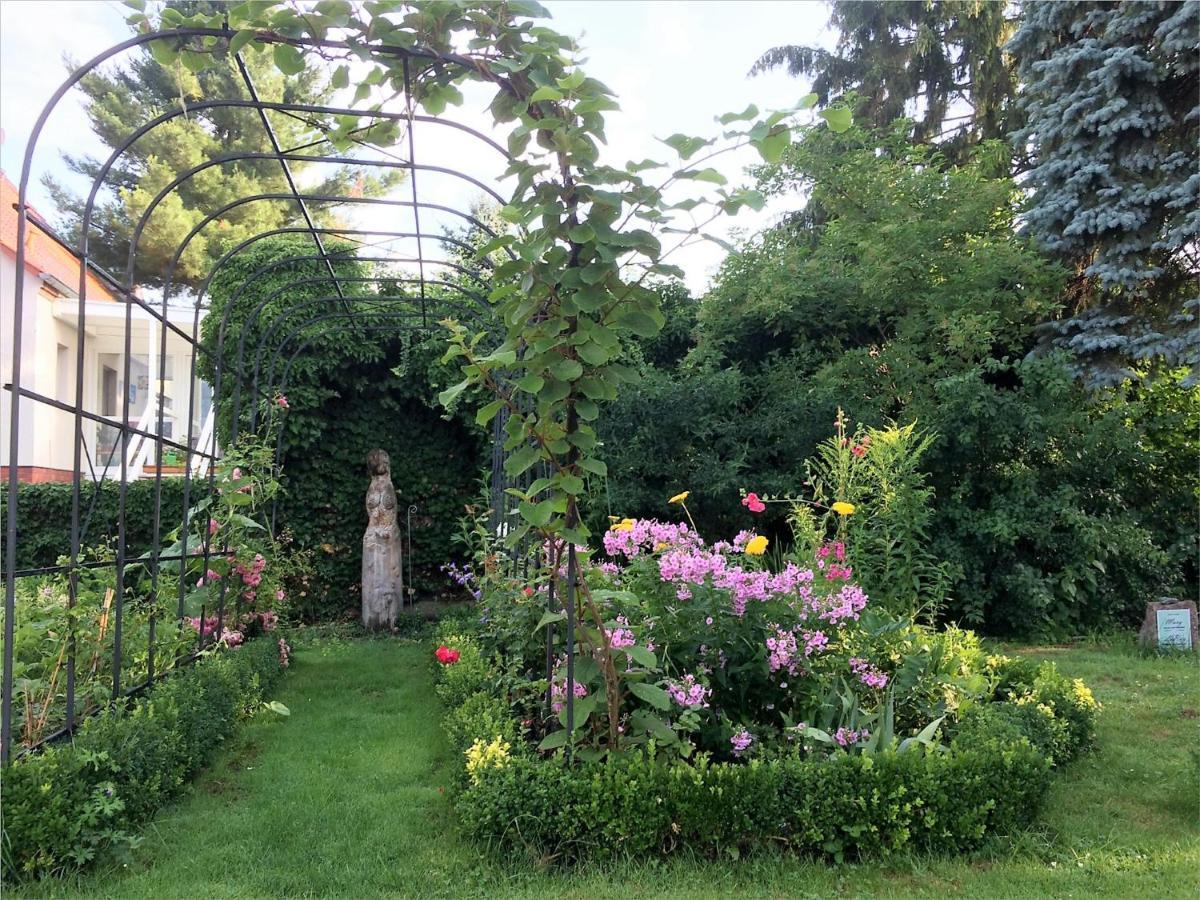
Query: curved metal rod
x=468, y=69
x=257, y=311
x=265, y=339
x=324, y=198
x=290, y=157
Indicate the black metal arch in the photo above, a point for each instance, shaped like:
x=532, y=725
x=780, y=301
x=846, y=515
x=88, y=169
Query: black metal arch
x=336, y=309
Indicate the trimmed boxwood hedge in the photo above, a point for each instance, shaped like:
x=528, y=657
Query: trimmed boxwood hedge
x=69, y=803
x=992, y=778
x=45, y=516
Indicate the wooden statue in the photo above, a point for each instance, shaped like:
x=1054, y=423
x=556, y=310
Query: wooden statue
x=382, y=581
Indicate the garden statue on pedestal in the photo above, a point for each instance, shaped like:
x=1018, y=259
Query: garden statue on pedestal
x=382, y=582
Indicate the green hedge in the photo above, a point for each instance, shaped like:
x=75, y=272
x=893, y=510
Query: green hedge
x=843, y=806
x=44, y=512
x=68, y=804
x=990, y=779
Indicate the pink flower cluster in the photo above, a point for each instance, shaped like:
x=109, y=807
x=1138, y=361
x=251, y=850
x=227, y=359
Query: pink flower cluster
x=696, y=565
x=231, y=638
x=688, y=693
x=558, y=694
x=649, y=534
x=741, y=742
x=837, y=549
x=785, y=652
x=208, y=578
x=252, y=575
x=846, y=737
x=203, y=628
x=868, y=674
x=621, y=636
x=285, y=654
x=267, y=620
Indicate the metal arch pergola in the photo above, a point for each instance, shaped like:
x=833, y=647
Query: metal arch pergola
x=336, y=309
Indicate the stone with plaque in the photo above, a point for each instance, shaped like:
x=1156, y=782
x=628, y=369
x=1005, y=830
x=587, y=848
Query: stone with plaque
x=1170, y=624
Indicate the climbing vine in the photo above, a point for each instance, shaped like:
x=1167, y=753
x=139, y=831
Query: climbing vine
x=585, y=235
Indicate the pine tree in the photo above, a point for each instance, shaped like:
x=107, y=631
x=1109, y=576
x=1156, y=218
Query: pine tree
x=1112, y=100
x=121, y=98
x=939, y=62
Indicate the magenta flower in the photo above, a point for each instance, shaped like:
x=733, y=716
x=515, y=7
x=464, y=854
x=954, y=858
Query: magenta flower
x=741, y=742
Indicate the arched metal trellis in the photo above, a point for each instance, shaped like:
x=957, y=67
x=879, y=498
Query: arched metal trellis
x=436, y=271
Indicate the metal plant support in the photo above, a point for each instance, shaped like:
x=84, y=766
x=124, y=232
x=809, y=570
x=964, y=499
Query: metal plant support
x=249, y=373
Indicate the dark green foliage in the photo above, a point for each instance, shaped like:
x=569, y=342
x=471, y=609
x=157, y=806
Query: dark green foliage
x=350, y=390
x=991, y=778
x=66, y=805
x=912, y=300
x=45, y=516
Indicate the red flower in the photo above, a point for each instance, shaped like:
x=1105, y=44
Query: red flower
x=752, y=503
x=528, y=592
x=445, y=655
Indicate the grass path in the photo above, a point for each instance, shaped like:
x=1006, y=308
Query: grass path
x=346, y=799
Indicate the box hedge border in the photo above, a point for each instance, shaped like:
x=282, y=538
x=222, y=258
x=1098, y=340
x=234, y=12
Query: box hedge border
x=68, y=804
x=991, y=779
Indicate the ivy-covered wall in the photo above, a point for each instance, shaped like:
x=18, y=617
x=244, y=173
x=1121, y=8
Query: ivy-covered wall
x=353, y=387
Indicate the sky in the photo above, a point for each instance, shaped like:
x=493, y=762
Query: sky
x=674, y=65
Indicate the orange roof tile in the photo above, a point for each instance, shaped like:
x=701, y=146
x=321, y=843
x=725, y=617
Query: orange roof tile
x=43, y=254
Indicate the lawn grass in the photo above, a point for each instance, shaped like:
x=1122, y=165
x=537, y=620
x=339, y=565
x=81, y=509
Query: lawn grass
x=347, y=798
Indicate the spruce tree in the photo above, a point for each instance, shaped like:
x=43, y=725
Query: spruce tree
x=1112, y=101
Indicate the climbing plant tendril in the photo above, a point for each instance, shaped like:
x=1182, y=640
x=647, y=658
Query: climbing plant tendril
x=586, y=235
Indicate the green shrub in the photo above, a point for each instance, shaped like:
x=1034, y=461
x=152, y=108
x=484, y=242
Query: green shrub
x=842, y=807
x=990, y=779
x=69, y=803
x=480, y=717
x=44, y=515
x=470, y=674
x=1068, y=699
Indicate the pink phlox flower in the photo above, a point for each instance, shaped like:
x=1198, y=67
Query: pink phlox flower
x=814, y=641
x=783, y=651
x=689, y=694
x=741, y=742
x=868, y=674
x=621, y=636
x=846, y=737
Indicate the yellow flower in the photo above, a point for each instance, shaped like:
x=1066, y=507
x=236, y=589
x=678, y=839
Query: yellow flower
x=623, y=525
x=481, y=756
x=842, y=508
x=679, y=498
x=756, y=546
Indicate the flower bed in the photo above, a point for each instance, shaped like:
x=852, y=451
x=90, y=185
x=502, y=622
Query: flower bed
x=721, y=705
